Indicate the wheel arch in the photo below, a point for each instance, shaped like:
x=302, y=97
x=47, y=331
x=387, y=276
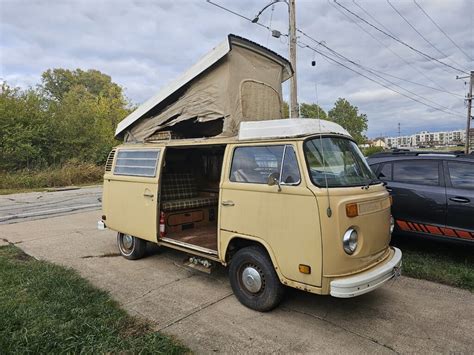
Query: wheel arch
x=237, y=242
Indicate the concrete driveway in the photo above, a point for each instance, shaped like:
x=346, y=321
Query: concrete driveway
x=404, y=316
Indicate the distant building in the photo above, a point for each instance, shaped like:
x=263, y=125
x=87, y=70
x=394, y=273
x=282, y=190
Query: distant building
x=427, y=139
x=379, y=142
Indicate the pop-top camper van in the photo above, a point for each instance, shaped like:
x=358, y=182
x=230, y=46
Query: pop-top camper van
x=210, y=167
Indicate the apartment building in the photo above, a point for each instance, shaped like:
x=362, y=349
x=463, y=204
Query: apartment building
x=427, y=139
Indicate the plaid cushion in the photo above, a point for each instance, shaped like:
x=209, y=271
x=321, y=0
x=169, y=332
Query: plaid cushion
x=195, y=202
x=178, y=186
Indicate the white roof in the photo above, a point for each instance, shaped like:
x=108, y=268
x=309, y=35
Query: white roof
x=289, y=127
x=203, y=64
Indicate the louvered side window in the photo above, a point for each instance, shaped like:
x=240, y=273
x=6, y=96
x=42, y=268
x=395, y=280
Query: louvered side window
x=110, y=160
x=137, y=162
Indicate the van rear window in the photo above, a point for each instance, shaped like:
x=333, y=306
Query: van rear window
x=137, y=162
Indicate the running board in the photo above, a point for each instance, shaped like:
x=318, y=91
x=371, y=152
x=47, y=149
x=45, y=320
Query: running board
x=188, y=246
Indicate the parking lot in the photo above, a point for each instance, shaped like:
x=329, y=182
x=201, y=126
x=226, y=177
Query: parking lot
x=406, y=315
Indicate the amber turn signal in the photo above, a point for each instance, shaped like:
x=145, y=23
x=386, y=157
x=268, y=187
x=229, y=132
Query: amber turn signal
x=304, y=269
x=351, y=210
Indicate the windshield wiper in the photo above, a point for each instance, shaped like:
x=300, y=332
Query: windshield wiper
x=373, y=181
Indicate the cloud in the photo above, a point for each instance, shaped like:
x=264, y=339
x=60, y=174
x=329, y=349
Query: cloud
x=144, y=44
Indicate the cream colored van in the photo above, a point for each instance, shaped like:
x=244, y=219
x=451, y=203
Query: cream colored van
x=285, y=203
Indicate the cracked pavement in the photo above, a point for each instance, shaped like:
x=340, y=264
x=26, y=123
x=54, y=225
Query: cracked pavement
x=21, y=207
x=404, y=316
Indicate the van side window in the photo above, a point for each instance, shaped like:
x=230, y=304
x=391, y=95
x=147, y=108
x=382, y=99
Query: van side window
x=416, y=172
x=290, y=174
x=137, y=162
x=256, y=164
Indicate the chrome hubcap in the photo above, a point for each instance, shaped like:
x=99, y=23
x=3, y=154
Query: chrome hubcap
x=251, y=279
x=127, y=241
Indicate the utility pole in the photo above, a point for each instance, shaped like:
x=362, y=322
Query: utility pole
x=469, y=110
x=294, y=111
x=398, y=140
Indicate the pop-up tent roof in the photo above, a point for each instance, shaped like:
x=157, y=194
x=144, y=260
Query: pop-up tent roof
x=239, y=80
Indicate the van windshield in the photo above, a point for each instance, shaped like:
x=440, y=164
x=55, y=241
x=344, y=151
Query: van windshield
x=337, y=162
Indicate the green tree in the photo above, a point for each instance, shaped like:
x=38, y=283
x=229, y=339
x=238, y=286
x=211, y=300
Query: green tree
x=312, y=111
x=71, y=115
x=371, y=150
x=25, y=132
x=348, y=116
x=87, y=106
x=56, y=83
x=306, y=110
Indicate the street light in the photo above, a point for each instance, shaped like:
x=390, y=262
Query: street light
x=256, y=18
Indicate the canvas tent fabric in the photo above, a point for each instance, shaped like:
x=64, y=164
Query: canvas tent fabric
x=244, y=84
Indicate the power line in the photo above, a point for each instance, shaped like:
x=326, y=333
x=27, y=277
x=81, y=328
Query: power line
x=443, y=32
x=304, y=45
x=376, y=39
x=383, y=44
x=377, y=75
x=399, y=40
x=369, y=69
x=440, y=88
x=420, y=34
x=242, y=16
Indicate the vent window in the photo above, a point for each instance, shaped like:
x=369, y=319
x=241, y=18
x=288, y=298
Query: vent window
x=110, y=160
x=137, y=162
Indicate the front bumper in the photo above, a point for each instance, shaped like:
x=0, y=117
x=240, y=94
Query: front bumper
x=369, y=280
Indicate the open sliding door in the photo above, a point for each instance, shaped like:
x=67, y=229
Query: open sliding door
x=131, y=192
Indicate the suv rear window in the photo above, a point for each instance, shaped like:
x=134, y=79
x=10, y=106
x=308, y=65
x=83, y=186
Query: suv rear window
x=386, y=172
x=422, y=172
x=461, y=174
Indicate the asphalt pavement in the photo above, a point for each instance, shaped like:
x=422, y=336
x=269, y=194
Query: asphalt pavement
x=404, y=316
x=16, y=208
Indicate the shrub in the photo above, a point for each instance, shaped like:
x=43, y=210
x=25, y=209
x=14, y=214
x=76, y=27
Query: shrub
x=71, y=173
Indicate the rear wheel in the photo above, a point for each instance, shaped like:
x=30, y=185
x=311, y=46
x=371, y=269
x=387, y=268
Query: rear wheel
x=131, y=247
x=254, y=280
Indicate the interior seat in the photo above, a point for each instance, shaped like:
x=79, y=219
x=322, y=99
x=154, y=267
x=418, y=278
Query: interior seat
x=179, y=191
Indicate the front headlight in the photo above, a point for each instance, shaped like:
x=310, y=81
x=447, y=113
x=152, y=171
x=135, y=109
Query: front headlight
x=349, y=241
x=392, y=224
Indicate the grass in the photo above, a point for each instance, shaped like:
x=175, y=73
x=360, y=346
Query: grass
x=445, y=262
x=71, y=173
x=45, y=308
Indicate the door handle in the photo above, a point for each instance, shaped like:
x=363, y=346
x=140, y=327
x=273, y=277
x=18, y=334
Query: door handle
x=228, y=203
x=459, y=199
x=147, y=194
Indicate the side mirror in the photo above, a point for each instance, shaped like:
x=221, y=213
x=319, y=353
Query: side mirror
x=273, y=180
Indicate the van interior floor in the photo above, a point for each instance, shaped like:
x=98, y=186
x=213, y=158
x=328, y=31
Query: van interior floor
x=205, y=236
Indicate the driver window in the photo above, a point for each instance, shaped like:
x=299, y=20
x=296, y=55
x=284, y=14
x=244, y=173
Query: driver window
x=256, y=164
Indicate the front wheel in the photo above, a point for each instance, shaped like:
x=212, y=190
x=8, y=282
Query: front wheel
x=130, y=247
x=254, y=280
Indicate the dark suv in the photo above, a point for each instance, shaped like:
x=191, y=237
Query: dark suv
x=433, y=193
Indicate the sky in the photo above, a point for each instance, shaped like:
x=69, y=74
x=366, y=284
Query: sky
x=143, y=45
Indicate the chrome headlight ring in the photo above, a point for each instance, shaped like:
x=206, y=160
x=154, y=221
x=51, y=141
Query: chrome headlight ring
x=350, y=241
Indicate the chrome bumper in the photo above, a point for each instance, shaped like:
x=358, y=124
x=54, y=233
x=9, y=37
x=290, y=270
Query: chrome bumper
x=367, y=281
